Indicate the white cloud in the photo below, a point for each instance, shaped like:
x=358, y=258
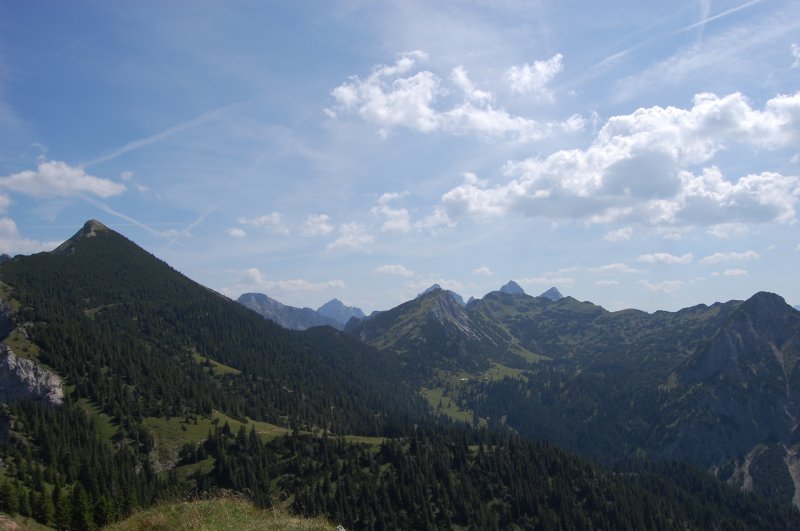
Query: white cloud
x=665, y=286
x=59, y=179
x=12, y=243
x=640, y=168
x=395, y=219
x=618, y=267
x=236, y=232
x=435, y=221
x=317, y=225
x=272, y=222
x=734, y=272
x=389, y=100
x=607, y=283
x=461, y=79
x=5, y=202
x=666, y=258
x=619, y=235
x=394, y=269
x=254, y=280
x=533, y=79
x=717, y=258
x=546, y=280
x=351, y=236
x=483, y=270
x=796, y=54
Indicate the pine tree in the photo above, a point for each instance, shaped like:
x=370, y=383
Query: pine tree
x=81, y=509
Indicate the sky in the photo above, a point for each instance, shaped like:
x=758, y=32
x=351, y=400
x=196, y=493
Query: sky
x=633, y=154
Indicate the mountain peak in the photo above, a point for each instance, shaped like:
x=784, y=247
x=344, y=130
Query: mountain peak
x=431, y=289
x=339, y=311
x=512, y=288
x=89, y=230
x=553, y=294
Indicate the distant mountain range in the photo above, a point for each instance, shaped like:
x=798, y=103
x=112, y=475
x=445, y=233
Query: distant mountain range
x=333, y=313
x=336, y=314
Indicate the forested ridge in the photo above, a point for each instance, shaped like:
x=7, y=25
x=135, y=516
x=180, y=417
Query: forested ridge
x=139, y=345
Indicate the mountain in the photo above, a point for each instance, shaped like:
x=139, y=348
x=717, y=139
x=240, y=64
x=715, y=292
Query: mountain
x=170, y=388
x=712, y=385
x=553, y=294
x=512, y=288
x=341, y=314
x=286, y=316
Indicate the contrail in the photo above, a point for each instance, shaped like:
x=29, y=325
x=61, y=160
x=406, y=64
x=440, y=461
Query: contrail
x=152, y=139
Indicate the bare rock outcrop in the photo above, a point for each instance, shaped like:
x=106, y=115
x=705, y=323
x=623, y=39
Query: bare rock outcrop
x=21, y=378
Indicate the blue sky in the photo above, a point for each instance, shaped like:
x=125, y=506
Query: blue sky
x=635, y=154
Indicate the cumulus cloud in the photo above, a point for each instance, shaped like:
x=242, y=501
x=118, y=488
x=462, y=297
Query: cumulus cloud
x=718, y=258
x=351, y=236
x=533, y=79
x=393, y=96
x=483, y=270
x=394, y=269
x=394, y=219
x=236, y=232
x=666, y=258
x=58, y=179
x=665, y=286
x=317, y=225
x=435, y=221
x=641, y=168
x=12, y=243
x=272, y=222
x=619, y=235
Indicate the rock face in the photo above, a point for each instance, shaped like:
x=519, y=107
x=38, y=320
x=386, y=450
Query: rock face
x=22, y=378
x=336, y=310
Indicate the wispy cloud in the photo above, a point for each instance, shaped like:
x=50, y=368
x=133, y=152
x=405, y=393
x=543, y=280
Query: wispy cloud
x=702, y=23
x=165, y=134
x=718, y=258
x=666, y=258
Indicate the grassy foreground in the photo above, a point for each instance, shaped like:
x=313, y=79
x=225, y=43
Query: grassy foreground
x=226, y=512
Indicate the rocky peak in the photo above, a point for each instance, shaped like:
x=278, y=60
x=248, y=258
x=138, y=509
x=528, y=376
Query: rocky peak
x=339, y=312
x=512, y=288
x=90, y=229
x=553, y=294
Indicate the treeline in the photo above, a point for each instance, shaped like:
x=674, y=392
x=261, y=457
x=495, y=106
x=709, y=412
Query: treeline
x=476, y=480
